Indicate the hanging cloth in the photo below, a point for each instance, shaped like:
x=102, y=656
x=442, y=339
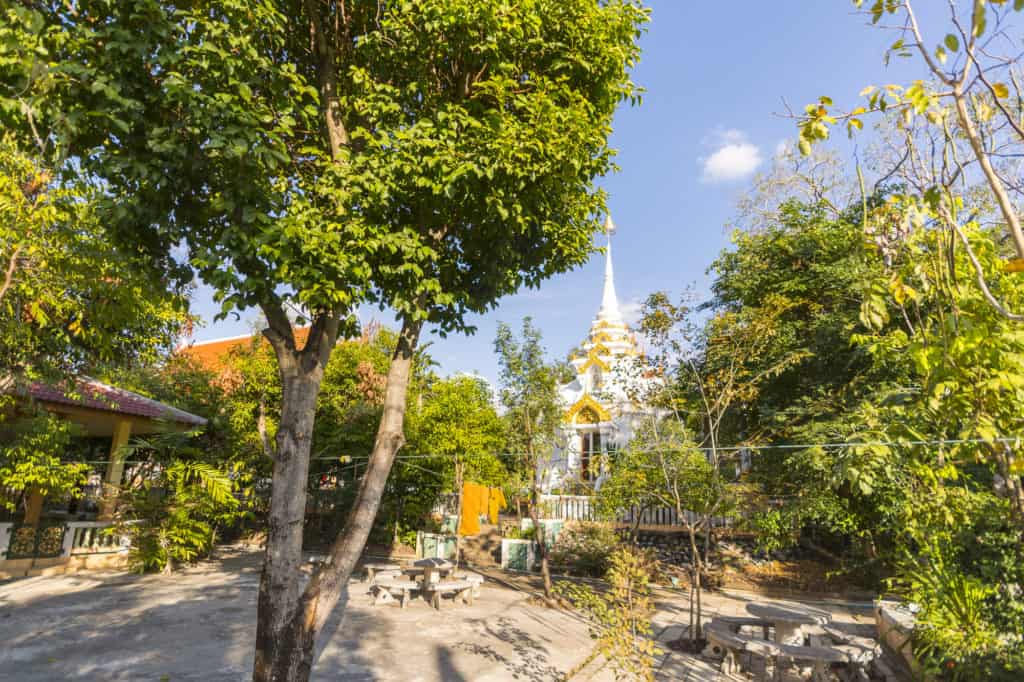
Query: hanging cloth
x=495, y=503
x=469, y=522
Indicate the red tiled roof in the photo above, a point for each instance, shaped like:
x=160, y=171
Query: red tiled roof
x=95, y=395
x=211, y=354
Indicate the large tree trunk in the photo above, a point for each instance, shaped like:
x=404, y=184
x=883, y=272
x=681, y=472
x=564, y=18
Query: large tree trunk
x=280, y=583
x=293, y=648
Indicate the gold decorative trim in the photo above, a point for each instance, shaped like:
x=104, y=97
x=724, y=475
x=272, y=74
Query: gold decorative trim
x=592, y=360
x=587, y=402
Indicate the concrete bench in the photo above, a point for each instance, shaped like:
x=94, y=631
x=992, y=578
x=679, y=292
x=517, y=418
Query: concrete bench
x=460, y=588
x=375, y=566
x=861, y=652
x=474, y=578
x=386, y=589
x=726, y=643
x=820, y=658
x=735, y=623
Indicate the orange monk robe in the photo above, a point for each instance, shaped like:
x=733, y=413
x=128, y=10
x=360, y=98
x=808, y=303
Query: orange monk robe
x=472, y=506
x=495, y=502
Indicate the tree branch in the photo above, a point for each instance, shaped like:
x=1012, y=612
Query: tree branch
x=9, y=274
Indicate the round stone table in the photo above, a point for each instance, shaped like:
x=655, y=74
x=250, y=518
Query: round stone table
x=789, y=620
x=434, y=569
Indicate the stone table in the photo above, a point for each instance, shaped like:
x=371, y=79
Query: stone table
x=373, y=567
x=789, y=620
x=434, y=569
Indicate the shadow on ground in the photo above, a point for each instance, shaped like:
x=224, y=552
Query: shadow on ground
x=199, y=624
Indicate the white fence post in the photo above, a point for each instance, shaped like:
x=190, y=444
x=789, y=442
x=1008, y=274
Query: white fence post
x=5, y=539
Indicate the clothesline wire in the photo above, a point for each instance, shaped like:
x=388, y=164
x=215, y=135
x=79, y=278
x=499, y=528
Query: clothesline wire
x=731, y=449
x=741, y=448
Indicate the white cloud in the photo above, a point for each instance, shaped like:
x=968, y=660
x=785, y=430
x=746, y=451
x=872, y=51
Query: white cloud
x=734, y=158
x=630, y=311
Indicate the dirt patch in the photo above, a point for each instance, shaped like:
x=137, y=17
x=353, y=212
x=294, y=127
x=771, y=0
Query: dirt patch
x=799, y=575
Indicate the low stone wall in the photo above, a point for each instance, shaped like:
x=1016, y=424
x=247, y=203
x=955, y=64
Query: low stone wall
x=22, y=568
x=674, y=546
x=86, y=545
x=895, y=625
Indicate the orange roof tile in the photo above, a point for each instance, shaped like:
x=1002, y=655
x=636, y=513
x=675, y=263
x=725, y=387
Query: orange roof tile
x=212, y=354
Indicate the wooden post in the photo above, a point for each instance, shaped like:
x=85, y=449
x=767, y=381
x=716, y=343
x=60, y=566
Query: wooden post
x=115, y=469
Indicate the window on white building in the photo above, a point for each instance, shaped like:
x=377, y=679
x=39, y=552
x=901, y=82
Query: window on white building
x=590, y=457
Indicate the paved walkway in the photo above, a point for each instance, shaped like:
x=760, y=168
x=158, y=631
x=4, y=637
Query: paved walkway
x=199, y=624
x=671, y=622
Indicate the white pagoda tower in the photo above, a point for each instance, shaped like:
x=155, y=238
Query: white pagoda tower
x=603, y=404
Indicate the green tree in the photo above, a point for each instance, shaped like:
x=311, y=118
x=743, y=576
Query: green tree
x=431, y=156
x=459, y=424
x=910, y=393
x=70, y=301
x=957, y=124
x=662, y=466
x=459, y=420
x=32, y=457
x=529, y=392
x=173, y=512
x=621, y=616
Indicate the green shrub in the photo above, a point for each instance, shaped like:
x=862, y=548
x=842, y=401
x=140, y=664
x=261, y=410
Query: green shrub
x=584, y=549
x=520, y=534
x=961, y=633
x=173, y=517
x=621, y=616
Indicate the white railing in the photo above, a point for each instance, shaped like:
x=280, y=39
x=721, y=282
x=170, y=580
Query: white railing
x=580, y=508
x=80, y=538
x=567, y=507
x=93, y=537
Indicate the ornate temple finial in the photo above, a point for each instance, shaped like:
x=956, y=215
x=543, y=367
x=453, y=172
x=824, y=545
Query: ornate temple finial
x=609, y=301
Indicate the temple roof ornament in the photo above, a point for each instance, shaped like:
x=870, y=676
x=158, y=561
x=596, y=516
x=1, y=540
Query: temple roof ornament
x=609, y=311
x=587, y=404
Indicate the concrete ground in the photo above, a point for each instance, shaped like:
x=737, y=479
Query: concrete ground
x=199, y=625
x=671, y=622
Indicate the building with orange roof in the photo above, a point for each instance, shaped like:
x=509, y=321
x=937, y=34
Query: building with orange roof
x=213, y=355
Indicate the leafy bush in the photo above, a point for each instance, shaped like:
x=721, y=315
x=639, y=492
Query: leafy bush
x=585, y=549
x=173, y=517
x=520, y=534
x=961, y=631
x=621, y=615
x=31, y=457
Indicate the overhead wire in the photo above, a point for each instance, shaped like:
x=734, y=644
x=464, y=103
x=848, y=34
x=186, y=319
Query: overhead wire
x=1008, y=440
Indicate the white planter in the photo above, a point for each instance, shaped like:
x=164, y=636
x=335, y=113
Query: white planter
x=518, y=555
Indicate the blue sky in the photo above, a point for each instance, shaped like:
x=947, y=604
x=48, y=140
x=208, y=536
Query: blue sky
x=716, y=75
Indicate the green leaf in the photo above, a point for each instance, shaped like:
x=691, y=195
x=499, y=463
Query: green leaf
x=979, y=19
x=952, y=42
